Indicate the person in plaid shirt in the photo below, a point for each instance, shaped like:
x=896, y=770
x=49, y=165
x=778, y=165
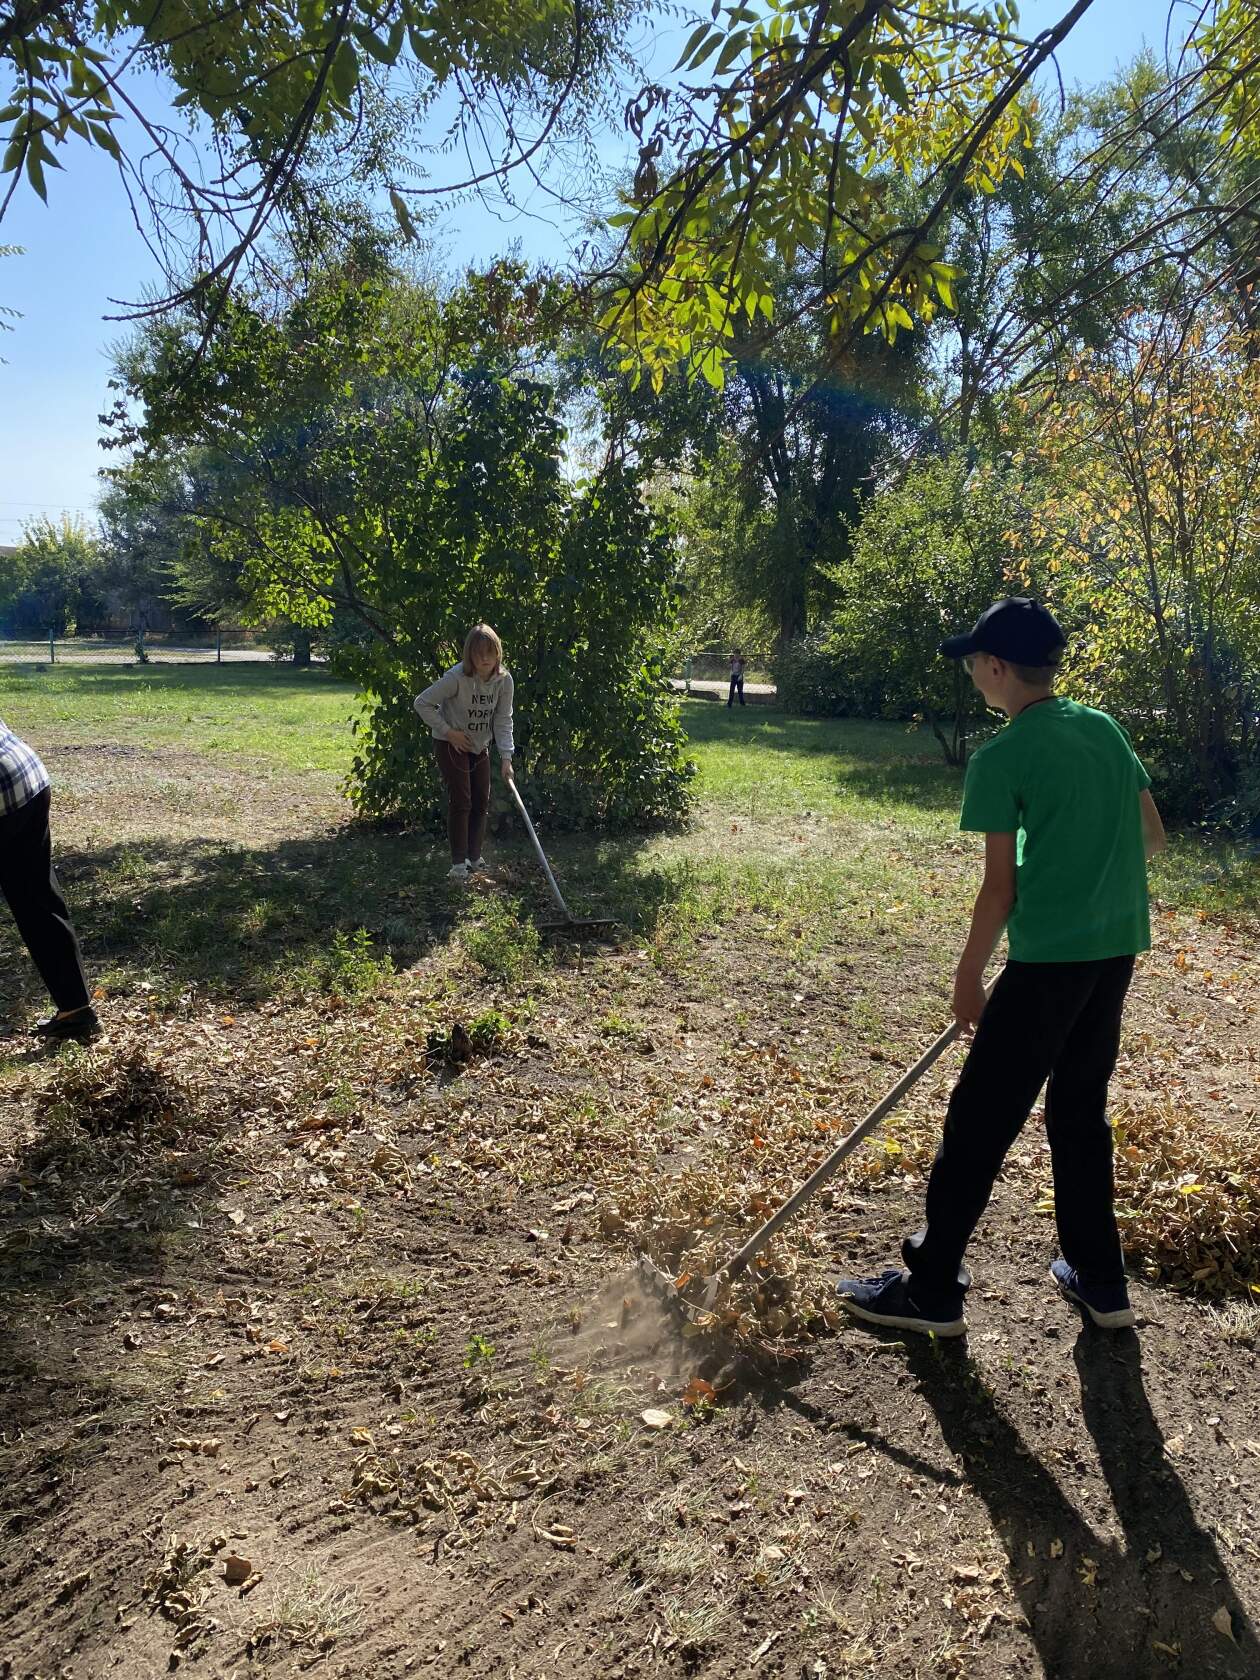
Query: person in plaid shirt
x=29, y=884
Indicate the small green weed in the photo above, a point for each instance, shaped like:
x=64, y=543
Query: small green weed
x=503, y=943
x=614, y=1025
x=490, y=1032
x=478, y=1354
x=350, y=968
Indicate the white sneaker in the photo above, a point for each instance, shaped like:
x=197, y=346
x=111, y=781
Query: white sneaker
x=474, y=864
x=457, y=872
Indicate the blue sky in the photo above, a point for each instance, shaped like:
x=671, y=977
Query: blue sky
x=82, y=249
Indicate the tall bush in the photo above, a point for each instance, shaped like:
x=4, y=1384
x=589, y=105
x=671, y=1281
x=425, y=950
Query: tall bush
x=375, y=455
x=54, y=582
x=927, y=556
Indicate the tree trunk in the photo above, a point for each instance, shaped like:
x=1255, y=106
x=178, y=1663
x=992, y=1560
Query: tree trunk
x=793, y=621
x=301, y=645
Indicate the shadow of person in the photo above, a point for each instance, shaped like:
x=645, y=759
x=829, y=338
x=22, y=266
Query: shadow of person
x=1094, y=1609
x=1188, y=1585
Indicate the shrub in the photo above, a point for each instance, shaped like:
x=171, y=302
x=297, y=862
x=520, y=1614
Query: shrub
x=491, y=1031
x=579, y=601
x=928, y=555
x=425, y=489
x=815, y=678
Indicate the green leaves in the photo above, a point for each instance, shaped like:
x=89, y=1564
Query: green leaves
x=383, y=50
x=736, y=44
x=701, y=33
x=1152, y=450
x=389, y=453
x=37, y=155
x=289, y=79
x=705, y=42
x=893, y=84
x=345, y=71
x=792, y=155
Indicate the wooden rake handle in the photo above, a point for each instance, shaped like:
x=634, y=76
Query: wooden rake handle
x=739, y=1261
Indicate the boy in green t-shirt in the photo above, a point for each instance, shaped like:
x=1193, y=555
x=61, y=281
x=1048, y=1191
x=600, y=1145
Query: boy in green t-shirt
x=1069, y=822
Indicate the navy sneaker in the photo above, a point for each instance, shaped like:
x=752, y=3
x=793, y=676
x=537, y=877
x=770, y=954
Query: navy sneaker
x=81, y=1024
x=886, y=1300
x=1106, y=1303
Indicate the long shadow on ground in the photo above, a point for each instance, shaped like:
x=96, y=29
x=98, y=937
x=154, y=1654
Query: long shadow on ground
x=1095, y=1610
x=245, y=922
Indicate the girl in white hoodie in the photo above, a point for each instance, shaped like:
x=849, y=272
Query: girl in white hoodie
x=467, y=709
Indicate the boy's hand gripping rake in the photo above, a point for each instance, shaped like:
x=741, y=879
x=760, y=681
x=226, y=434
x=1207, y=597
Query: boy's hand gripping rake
x=571, y=922
x=663, y=1286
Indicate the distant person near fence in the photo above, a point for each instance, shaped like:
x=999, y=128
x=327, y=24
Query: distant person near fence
x=737, y=678
x=30, y=886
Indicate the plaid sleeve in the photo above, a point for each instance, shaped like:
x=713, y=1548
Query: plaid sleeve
x=22, y=775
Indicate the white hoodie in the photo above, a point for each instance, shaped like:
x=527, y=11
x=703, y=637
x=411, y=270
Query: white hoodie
x=481, y=707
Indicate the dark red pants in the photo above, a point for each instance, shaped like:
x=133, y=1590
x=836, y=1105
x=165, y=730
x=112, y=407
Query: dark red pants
x=29, y=883
x=467, y=779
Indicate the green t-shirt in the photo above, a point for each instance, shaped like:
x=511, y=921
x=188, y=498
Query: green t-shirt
x=1066, y=780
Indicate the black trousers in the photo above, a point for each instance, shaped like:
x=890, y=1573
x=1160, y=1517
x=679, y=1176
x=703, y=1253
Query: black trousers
x=29, y=884
x=1052, y=1024
x=737, y=687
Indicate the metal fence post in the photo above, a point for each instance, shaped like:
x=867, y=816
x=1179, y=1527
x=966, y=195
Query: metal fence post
x=218, y=648
x=52, y=651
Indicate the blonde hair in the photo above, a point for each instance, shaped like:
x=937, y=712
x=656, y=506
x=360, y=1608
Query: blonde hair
x=482, y=636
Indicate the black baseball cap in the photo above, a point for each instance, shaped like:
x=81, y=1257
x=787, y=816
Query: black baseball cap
x=1016, y=628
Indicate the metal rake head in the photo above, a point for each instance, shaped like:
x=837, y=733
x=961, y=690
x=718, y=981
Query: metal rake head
x=663, y=1288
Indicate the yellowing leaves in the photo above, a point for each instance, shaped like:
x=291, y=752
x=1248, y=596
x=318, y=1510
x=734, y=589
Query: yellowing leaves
x=793, y=137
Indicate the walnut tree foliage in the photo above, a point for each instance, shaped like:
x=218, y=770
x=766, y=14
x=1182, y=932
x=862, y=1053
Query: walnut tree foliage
x=230, y=122
x=1146, y=525
x=784, y=137
x=784, y=155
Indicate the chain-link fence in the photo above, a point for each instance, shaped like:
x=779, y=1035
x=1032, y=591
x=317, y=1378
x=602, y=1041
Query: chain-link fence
x=92, y=650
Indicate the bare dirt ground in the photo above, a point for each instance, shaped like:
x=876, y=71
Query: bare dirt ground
x=323, y=1347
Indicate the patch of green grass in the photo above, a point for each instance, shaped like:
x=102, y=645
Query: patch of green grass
x=763, y=766
x=294, y=719
x=812, y=835
x=772, y=774
x=249, y=922
x=615, y=1025
x=349, y=968
x=1218, y=876
x=504, y=943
